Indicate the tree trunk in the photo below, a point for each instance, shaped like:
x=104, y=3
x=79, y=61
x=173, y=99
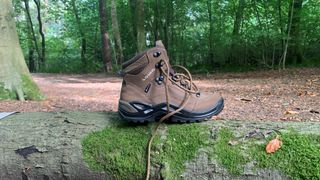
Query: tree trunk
x=141, y=36
x=210, y=51
x=280, y=24
x=31, y=63
x=82, y=36
x=48, y=146
x=15, y=79
x=236, y=31
x=32, y=37
x=133, y=20
x=40, y=146
x=294, y=49
x=156, y=21
x=116, y=33
x=43, y=41
x=106, y=50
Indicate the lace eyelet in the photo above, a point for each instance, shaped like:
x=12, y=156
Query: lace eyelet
x=159, y=64
x=198, y=94
x=156, y=54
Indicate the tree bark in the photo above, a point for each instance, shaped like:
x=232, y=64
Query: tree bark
x=294, y=49
x=30, y=33
x=13, y=68
x=82, y=36
x=116, y=33
x=141, y=36
x=43, y=40
x=31, y=36
x=55, y=151
x=106, y=50
x=47, y=146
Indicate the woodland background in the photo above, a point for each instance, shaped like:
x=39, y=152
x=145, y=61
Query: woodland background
x=84, y=36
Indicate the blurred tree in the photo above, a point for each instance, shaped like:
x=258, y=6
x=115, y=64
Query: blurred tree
x=15, y=79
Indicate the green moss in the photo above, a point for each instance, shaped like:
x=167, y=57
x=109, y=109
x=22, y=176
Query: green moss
x=5, y=93
x=299, y=156
x=229, y=156
x=120, y=149
x=181, y=145
x=30, y=89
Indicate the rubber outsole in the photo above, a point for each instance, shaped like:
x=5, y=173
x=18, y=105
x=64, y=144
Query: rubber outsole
x=154, y=113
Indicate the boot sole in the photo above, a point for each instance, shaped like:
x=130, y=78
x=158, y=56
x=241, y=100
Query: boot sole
x=147, y=113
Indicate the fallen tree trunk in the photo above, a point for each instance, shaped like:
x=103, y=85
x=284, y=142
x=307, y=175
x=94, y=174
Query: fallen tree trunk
x=48, y=146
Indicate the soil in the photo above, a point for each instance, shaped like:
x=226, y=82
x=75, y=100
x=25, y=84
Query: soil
x=290, y=95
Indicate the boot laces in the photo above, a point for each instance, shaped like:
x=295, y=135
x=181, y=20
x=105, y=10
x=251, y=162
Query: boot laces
x=184, y=82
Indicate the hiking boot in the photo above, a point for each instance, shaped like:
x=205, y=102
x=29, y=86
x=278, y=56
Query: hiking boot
x=151, y=89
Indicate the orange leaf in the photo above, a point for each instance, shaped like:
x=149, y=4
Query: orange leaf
x=215, y=118
x=291, y=112
x=273, y=145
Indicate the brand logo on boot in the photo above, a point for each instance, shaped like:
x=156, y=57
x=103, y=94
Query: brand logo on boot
x=148, y=75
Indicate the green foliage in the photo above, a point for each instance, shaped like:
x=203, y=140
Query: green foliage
x=191, y=37
x=230, y=156
x=299, y=156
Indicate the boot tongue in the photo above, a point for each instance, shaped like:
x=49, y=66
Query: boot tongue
x=159, y=44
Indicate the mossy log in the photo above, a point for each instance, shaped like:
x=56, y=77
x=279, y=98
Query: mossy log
x=63, y=146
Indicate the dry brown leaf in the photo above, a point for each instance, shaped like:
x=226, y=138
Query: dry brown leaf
x=246, y=100
x=291, y=112
x=233, y=142
x=273, y=145
x=215, y=118
x=314, y=111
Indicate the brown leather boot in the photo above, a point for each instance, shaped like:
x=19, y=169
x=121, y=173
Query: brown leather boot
x=152, y=89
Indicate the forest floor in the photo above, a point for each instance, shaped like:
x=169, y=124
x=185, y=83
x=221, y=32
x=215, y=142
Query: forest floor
x=290, y=95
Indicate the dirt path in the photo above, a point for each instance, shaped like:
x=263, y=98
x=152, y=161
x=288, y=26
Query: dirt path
x=292, y=95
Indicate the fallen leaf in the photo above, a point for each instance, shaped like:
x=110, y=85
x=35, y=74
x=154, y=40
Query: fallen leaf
x=312, y=94
x=314, y=111
x=246, y=100
x=273, y=145
x=215, y=118
x=291, y=112
x=232, y=142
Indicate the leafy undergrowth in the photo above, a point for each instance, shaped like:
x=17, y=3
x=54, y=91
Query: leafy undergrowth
x=120, y=149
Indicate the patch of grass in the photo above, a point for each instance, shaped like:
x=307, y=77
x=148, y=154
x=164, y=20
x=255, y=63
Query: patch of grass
x=228, y=156
x=299, y=156
x=120, y=149
x=30, y=89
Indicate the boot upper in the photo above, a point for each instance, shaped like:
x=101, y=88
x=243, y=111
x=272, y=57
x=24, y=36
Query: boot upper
x=144, y=83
